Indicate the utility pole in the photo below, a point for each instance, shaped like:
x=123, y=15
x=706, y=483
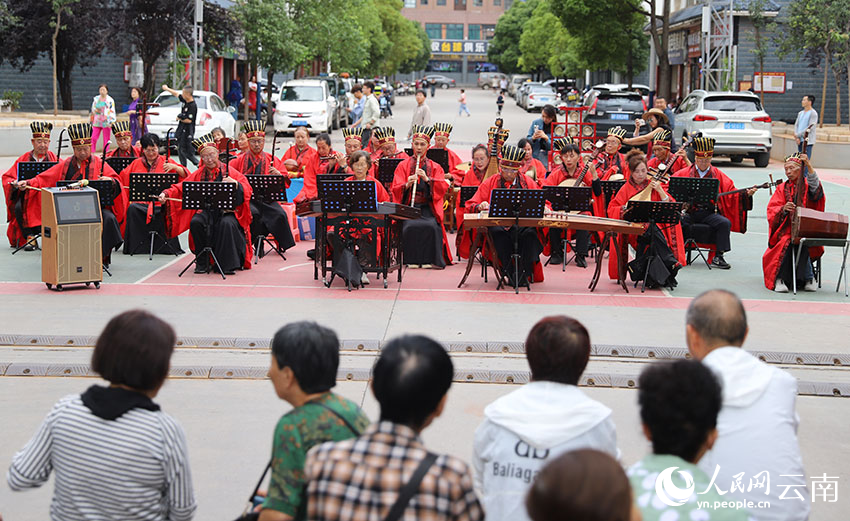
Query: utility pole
x=198, y=32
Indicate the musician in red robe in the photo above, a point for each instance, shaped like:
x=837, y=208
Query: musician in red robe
x=16, y=201
x=337, y=164
x=531, y=166
x=143, y=218
x=637, y=182
x=329, y=159
x=530, y=246
x=611, y=163
x=424, y=239
x=442, y=131
x=474, y=177
x=662, y=153
x=300, y=160
x=124, y=139
x=777, y=261
x=227, y=232
x=730, y=214
x=571, y=168
x=82, y=165
x=267, y=217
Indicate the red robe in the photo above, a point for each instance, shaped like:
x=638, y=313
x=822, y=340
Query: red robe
x=177, y=219
x=13, y=231
x=678, y=164
x=59, y=172
x=134, y=151
x=454, y=160
x=673, y=234
x=310, y=190
x=539, y=169
x=247, y=163
x=140, y=165
x=779, y=224
x=464, y=238
x=734, y=206
x=558, y=176
x=608, y=165
x=307, y=159
x=439, y=186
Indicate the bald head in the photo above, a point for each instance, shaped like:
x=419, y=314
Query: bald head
x=714, y=319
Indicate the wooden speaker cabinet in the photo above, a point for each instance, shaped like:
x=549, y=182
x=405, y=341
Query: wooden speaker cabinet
x=71, y=228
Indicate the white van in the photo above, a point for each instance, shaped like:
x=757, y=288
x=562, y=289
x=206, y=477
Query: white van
x=304, y=103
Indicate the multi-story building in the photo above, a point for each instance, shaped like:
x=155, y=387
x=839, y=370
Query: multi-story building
x=460, y=32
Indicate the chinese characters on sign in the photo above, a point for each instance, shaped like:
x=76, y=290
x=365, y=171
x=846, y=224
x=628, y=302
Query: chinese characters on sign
x=459, y=46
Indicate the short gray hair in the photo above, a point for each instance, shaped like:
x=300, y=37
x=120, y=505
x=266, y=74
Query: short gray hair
x=718, y=316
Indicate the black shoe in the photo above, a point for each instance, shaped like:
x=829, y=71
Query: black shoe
x=556, y=259
x=720, y=263
x=202, y=266
x=230, y=272
x=580, y=261
x=312, y=253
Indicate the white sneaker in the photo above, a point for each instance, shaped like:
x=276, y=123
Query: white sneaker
x=780, y=287
x=811, y=285
x=427, y=266
x=364, y=279
x=414, y=266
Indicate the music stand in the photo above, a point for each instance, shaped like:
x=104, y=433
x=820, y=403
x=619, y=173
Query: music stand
x=332, y=177
x=516, y=204
x=699, y=193
x=570, y=198
x=145, y=187
x=386, y=170
x=26, y=171
x=409, y=151
x=205, y=196
x=105, y=189
x=652, y=212
x=439, y=156
x=348, y=196
x=119, y=163
x=466, y=193
x=267, y=189
x=610, y=189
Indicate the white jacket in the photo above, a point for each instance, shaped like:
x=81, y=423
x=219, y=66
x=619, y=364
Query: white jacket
x=757, y=429
x=525, y=429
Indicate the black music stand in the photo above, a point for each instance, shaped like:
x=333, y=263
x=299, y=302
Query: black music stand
x=610, y=189
x=346, y=197
x=698, y=193
x=119, y=163
x=386, y=171
x=26, y=171
x=652, y=212
x=439, y=156
x=267, y=189
x=332, y=177
x=105, y=189
x=569, y=199
x=467, y=193
x=516, y=204
x=207, y=196
x=145, y=187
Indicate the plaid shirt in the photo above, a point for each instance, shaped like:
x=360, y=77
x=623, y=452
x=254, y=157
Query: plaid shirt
x=359, y=479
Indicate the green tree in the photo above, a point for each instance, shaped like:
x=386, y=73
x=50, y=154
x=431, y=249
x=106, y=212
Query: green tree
x=418, y=62
x=504, y=49
x=405, y=43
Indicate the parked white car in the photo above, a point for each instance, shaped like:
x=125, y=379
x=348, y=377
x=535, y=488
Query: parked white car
x=304, y=103
x=736, y=120
x=212, y=112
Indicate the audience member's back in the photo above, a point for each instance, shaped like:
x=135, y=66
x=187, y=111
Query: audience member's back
x=361, y=479
x=542, y=419
x=305, y=358
x=757, y=425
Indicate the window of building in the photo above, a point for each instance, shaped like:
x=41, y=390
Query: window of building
x=434, y=31
x=410, y=4
x=454, y=31
x=497, y=2
x=423, y=2
x=460, y=5
x=488, y=31
x=474, y=32
x=478, y=3
x=441, y=2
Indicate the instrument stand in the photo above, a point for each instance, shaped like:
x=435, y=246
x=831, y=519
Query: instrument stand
x=267, y=189
x=33, y=240
x=569, y=199
x=208, y=196
x=145, y=187
x=106, y=269
x=807, y=242
x=516, y=204
x=652, y=212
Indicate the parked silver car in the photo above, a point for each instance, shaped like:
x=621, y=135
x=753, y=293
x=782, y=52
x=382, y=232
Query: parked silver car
x=736, y=120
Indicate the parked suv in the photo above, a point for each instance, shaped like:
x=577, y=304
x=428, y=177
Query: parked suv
x=304, y=103
x=610, y=109
x=336, y=88
x=736, y=120
x=490, y=80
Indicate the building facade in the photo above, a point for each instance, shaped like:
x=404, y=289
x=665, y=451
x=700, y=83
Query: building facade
x=460, y=31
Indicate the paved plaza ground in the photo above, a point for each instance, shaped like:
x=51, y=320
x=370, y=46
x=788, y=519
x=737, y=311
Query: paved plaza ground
x=228, y=409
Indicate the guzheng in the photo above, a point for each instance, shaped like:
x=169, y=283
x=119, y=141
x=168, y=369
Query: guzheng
x=812, y=224
x=569, y=221
x=395, y=210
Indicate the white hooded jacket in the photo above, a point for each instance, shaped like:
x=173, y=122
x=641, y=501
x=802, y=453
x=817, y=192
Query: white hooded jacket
x=757, y=431
x=525, y=429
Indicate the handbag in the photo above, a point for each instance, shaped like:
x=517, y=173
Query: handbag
x=247, y=514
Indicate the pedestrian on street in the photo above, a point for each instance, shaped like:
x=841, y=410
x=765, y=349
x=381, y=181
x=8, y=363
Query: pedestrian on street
x=462, y=100
x=808, y=117
x=102, y=116
x=433, y=83
x=371, y=111
x=357, y=110
x=185, y=132
x=500, y=102
x=421, y=114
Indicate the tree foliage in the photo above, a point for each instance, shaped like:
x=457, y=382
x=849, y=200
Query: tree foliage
x=504, y=49
x=419, y=61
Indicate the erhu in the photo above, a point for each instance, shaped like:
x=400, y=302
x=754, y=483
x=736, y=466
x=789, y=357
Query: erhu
x=60, y=145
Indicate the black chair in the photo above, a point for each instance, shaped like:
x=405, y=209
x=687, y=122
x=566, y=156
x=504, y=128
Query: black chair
x=699, y=238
